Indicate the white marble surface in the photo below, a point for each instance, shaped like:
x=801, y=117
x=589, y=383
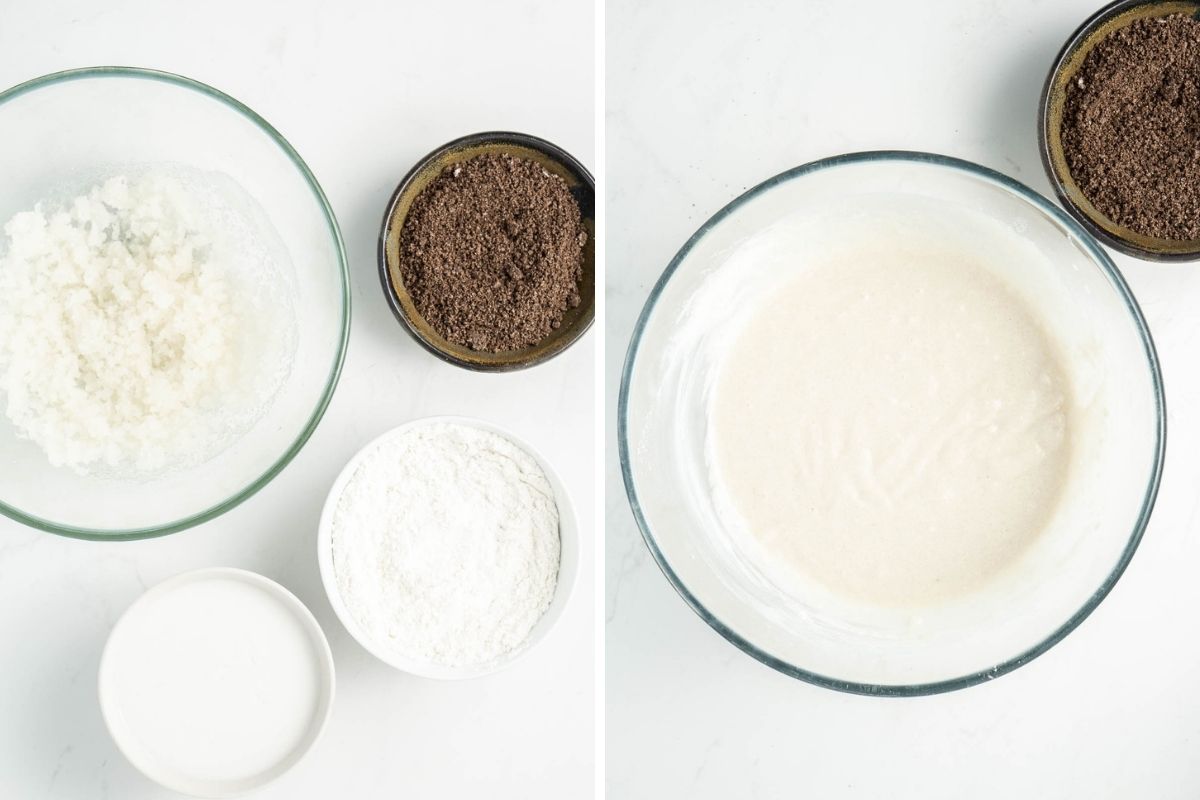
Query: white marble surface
x=362, y=89
x=705, y=100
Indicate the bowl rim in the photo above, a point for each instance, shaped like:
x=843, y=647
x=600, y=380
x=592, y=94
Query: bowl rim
x=1080, y=35
x=1102, y=261
x=212, y=512
x=568, y=528
x=285, y=597
x=543, y=146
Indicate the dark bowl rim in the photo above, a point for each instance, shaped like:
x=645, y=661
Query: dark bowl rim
x=335, y=371
x=1103, y=262
x=1080, y=34
x=531, y=142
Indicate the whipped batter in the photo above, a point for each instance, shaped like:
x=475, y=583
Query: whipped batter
x=892, y=424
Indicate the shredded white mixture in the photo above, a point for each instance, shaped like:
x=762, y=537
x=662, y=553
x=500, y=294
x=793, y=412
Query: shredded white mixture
x=125, y=342
x=446, y=545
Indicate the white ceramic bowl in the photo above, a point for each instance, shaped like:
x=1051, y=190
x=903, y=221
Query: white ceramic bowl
x=1069, y=283
x=134, y=662
x=568, y=567
x=65, y=132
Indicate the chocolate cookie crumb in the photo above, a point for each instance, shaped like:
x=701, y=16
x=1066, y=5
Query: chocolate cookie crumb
x=492, y=253
x=1131, y=127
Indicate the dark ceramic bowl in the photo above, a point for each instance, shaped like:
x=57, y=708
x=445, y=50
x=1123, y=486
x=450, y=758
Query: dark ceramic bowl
x=1103, y=22
x=554, y=159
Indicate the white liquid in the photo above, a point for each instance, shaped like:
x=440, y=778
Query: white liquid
x=893, y=425
x=213, y=682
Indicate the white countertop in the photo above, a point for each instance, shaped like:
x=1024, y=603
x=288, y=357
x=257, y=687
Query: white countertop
x=362, y=90
x=704, y=102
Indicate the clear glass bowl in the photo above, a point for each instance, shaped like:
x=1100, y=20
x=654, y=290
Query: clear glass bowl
x=1118, y=440
x=61, y=129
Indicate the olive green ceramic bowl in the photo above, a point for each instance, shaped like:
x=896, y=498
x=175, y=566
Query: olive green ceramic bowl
x=1066, y=66
x=554, y=159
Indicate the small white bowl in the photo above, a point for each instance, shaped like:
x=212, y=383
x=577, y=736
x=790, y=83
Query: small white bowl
x=143, y=655
x=568, y=567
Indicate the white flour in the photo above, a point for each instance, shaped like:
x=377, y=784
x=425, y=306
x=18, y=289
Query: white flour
x=446, y=545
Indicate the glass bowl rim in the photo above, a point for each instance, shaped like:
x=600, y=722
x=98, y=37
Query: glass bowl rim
x=212, y=512
x=1099, y=257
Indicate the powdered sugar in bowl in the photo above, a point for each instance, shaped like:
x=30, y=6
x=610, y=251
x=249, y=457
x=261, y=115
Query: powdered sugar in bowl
x=448, y=547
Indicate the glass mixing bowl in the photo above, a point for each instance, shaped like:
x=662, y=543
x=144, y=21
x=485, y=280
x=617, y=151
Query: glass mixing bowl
x=1118, y=433
x=63, y=130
